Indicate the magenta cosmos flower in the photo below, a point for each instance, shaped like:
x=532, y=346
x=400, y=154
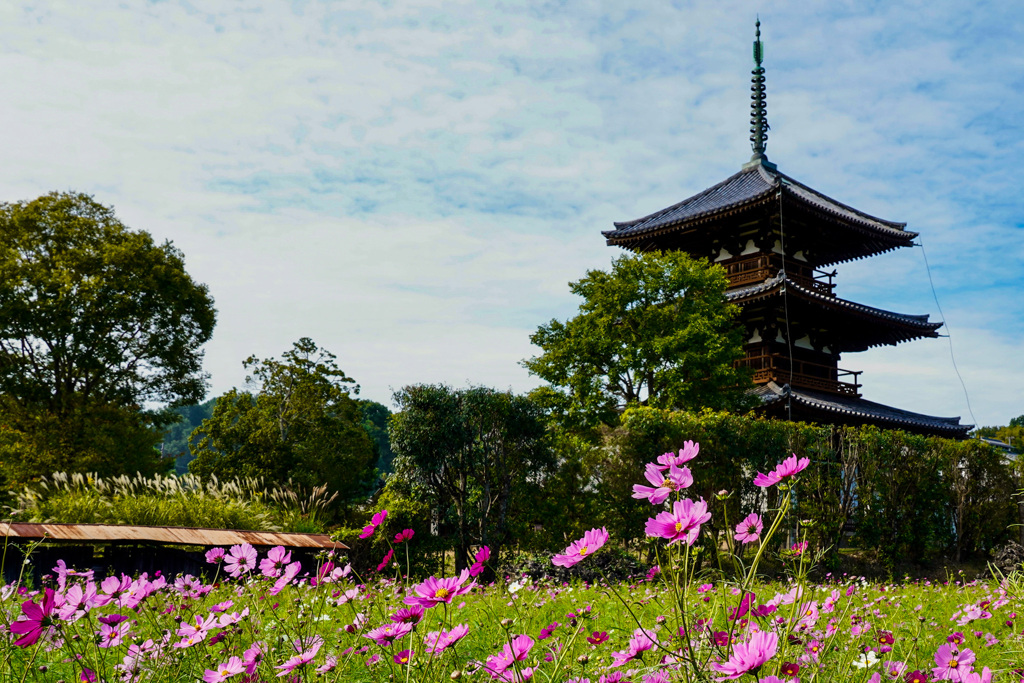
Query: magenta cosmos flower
x=574, y=554
x=749, y=530
x=375, y=522
x=749, y=656
x=683, y=523
x=687, y=453
x=785, y=469
x=664, y=484
x=38, y=618
x=434, y=591
x=388, y=633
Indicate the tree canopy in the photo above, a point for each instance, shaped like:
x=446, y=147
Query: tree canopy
x=96, y=322
x=298, y=423
x=655, y=330
x=470, y=453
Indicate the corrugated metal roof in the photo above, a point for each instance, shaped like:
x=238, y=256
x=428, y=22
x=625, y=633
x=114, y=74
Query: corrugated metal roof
x=171, y=535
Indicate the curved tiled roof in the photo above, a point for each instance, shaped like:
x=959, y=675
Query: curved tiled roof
x=773, y=285
x=751, y=185
x=857, y=409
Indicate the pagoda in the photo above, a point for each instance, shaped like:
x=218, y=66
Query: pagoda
x=778, y=241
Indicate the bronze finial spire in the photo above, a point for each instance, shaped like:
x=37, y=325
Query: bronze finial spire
x=758, y=105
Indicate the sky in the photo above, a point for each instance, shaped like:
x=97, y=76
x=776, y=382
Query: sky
x=414, y=184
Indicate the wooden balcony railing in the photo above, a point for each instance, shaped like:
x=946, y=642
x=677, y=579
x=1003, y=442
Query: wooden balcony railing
x=761, y=267
x=805, y=374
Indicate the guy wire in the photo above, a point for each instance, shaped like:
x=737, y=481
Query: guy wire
x=949, y=334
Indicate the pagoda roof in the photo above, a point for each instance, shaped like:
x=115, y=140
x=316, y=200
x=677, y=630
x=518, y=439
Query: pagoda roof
x=832, y=408
x=874, y=326
x=758, y=184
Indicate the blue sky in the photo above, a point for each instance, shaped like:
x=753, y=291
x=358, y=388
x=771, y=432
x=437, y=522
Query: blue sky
x=413, y=184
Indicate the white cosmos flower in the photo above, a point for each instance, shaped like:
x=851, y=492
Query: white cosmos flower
x=866, y=660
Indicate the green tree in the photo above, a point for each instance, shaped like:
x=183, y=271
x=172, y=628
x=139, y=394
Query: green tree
x=375, y=422
x=298, y=423
x=654, y=331
x=96, y=321
x=472, y=453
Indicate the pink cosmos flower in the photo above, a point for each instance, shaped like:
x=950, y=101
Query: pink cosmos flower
x=38, y=619
x=375, y=522
x=388, y=633
x=78, y=601
x=682, y=524
x=974, y=677
x=574, y=554
x=515, y=651
x=387, y=558
x=434, y=591
x=749, y=530
x=113, y=635
x=641, y=642
x=597, y=637
x=749, y=656
x=224, y=671
x=439, y=641
x=687, y=453
x=241, y=559
x=329, y=664
x=664, y=486
x=403, y=657
x=301, y=659
x=785, y=469
x=290, y=572
x=214, y=555
x=405, y=535
x=273, y=564
x=951, y=663
x=226, y=620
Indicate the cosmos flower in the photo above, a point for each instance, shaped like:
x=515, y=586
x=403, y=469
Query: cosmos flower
x=749, y=530
x=514, y=651
x=408, y=615
x=375, y=522
x=435, y=591
x=439, y=641
x=215, y=555
x=785, y=469
x=682, y=524
x=38, y=618
x=387, y=558
x=482, y=556
x=574, y=554
x=404, y=535
x=388, y=633
x=273, y=564
x=224, y=671
x=952, y=663
x=749, y=656
x=241, y=559
x=663, y=486
x=687, y=453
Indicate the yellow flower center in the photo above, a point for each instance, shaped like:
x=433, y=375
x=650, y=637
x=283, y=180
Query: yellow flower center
x=953, y=663
x=441, y=593
x=808, y=613
x=403, y=660
x=583, y=551
x=666, y=484
x=679, y=527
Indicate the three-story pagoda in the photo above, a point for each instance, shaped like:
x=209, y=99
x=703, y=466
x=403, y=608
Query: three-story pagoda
x=777, y=239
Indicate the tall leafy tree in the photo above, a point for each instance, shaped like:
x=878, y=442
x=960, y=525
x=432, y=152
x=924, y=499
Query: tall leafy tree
x=471, y=453
x=96, y=322
x=299, y=422
x=655, y=330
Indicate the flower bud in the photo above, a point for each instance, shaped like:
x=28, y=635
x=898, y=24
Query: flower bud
x=456, y=675
x=583, y=659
